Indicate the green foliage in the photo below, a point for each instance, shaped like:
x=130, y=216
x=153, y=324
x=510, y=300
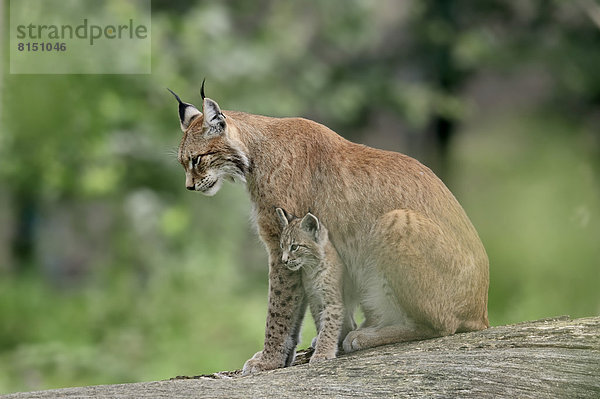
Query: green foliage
x=183, y=318
x=536, y=205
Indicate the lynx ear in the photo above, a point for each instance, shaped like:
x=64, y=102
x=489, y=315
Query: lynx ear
x=284, y=217
x=214, y=119
x=187, y=112
x=310, y=224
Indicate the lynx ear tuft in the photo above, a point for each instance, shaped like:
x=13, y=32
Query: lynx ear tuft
x=202, y=90
x=214, y=119
x=187, y=112
x=310, y=224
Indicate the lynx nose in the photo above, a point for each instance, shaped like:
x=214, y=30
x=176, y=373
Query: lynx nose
x=189, y=181
x=284, y=258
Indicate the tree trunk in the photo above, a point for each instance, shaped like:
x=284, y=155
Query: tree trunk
x=558, y=358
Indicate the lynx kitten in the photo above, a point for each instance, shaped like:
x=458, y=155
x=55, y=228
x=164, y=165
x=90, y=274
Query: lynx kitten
x=305, y=245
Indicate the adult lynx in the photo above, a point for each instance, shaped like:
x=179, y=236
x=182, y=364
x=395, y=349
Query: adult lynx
x=305, y=246
x=394, y=224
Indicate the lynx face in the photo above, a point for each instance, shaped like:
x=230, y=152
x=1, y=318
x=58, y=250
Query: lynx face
x=208, y=159
x=206, y=152
x=302, y=241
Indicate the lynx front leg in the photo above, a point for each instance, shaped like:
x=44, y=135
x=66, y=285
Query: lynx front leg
x=326, y=346
x=284, y=318
x=348, y=323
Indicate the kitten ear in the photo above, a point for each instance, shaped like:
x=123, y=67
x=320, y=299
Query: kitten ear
x=187, y=112
x=284, y=217
x=214, y=120
x=310, y=224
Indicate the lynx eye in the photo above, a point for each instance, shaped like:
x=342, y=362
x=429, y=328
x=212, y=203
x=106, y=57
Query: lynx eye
x=194, y=161
x=293, y=247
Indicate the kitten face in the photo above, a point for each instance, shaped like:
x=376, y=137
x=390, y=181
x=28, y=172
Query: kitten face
x=299, y=247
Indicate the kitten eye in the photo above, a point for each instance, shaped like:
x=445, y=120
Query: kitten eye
x=293, y=247
x=281, y=245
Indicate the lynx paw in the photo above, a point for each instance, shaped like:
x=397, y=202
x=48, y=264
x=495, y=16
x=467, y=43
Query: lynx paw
x=319, y=357
x=356, y=340
x=257, y=364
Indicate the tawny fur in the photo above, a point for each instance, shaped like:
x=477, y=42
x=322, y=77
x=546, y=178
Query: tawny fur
x=418, y=264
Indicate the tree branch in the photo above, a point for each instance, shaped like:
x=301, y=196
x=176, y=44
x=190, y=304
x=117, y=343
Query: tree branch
x=556, y=357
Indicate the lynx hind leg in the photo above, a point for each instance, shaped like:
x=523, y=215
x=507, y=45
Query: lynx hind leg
x=315, y=312
x=436, y=285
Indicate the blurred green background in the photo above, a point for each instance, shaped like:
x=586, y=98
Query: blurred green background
x=110, y=271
